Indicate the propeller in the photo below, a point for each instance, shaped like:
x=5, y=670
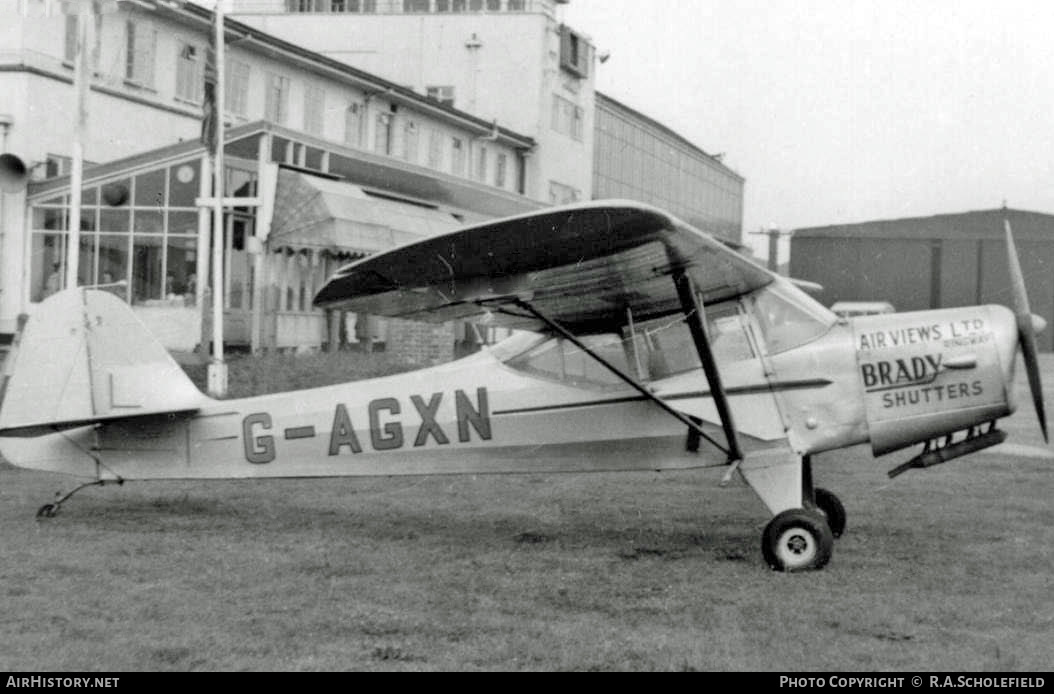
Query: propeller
x=1026, y=329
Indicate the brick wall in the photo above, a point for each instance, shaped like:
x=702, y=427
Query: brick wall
x=423, y=344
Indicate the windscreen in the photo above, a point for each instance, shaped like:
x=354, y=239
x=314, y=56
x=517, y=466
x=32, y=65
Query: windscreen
x=788, y=317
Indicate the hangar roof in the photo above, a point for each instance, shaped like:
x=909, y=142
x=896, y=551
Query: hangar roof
x=977, y=225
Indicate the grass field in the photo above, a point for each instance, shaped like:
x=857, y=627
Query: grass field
x=946, y=569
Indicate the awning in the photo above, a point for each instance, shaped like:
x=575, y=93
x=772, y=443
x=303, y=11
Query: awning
x=313, y=212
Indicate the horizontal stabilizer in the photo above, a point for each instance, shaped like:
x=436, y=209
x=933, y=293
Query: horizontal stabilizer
x=52, y=427
x=85, y=357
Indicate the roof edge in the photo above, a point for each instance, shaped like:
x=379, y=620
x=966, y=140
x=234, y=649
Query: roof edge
x=601, y=97
x=403, y=93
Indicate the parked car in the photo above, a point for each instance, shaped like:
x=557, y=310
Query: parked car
x=851, y=309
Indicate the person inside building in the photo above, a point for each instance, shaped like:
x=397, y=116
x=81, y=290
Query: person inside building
x=107, y=283
x=189, y=296
x=54, y=280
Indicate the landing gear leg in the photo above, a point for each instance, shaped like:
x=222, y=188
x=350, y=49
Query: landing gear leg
x=831, y=507
x=820, y=499
x=51, y=510
x=798, y=538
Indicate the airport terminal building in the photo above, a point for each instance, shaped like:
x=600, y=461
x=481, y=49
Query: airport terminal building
x=335, y=161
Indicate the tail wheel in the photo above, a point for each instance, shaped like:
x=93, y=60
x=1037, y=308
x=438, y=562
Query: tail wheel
x=797, y=540
x=831, y=507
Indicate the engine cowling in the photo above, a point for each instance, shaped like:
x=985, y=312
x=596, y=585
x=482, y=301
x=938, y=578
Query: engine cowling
x=931, y=373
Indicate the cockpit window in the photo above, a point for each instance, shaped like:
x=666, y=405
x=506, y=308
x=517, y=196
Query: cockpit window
x=650, y=351
x=561, y=360
x=666, y=346
x=789, y=318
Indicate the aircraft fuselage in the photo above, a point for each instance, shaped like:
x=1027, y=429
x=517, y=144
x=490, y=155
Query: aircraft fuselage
x=865, y=381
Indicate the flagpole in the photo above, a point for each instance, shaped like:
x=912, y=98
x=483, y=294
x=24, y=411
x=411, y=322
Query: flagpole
x=80, y=83
x=217, y=372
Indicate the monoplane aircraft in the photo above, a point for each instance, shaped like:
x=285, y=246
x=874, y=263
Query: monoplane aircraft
x=642, y=344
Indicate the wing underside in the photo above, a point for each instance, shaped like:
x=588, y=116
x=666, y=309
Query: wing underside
x=585, y=266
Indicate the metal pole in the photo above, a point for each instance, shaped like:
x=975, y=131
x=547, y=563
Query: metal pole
x=218, y=368
x=80, y=85
x=774, y=250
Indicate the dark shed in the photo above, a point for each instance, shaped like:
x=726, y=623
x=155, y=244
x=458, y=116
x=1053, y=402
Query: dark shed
x=930, y=262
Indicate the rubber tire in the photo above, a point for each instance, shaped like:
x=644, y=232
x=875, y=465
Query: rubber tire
x=797, y=540
x=47, y=511
x=831, y=507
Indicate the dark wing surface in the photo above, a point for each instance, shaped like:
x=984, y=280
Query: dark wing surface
x=583, y=265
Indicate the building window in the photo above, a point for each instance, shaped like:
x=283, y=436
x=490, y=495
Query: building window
x=516, y=5
x=70, y=48
x=353, y=125
x=141, y=230
x=481, y=164
x=57, y=165
x=493, y=5
x=415, y=5
x=382, y=141
x=561, y=194
x=276, y=106
x=236, y=87
x=189, y=73
x=444, y=95
x=567, y=117
x=435, y=149
x=313, y=6
x=457, y=158
x=410, y=137
x=355, y=6
x=574, y=52
x=314, y=109
x=140, y=44
x=501, y=170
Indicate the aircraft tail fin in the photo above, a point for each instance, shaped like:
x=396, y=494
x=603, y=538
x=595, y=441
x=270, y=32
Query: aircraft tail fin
x=85, y=357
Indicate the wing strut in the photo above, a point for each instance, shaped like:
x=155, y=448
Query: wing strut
x=693, y=315
x=639, y=387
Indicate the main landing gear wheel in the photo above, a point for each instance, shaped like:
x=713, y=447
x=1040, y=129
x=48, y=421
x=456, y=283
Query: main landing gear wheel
x=831, y=507
x=797, y=540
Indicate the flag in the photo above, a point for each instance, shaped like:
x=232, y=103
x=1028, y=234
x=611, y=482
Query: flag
x=210, y=120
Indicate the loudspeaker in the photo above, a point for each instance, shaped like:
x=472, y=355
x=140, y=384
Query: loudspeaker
x=13, y=173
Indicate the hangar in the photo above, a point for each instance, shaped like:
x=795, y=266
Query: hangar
x=921, y=263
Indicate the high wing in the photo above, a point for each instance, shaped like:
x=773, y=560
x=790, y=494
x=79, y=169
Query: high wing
x=582, y=265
